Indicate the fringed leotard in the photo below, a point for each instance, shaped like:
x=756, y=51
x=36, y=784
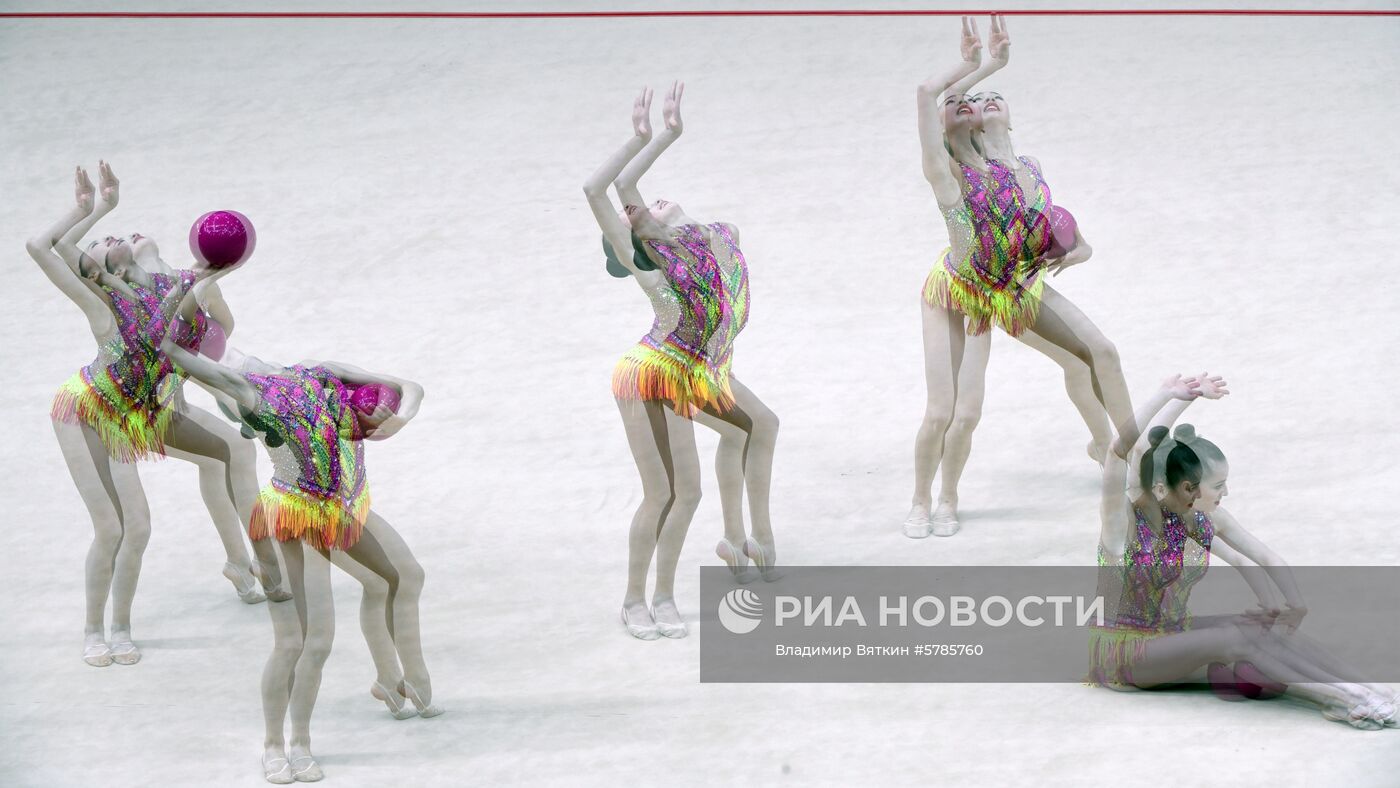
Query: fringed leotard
x=130, y=393
x=1147, y=590
x=319, y=491
x=988, y=272
x=701, y=306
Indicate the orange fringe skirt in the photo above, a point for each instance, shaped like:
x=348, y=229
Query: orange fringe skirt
x=663, y=371
x=290, y=514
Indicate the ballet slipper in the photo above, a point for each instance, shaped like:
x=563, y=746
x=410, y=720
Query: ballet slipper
x=124, y=652
x=424, y=709
x=1384, y=712
x=1222, y=682
x=1357, y=716
x=944, y=521
x=243, y=583
x=646, y=631
x=1254, y=684
x=917, y=525
x=737, y=562
x=276, y=768
x=397, y=705
x=304, y=767
x=763, y=559
x=671, y=629
x=274, y=592
x=96, y=652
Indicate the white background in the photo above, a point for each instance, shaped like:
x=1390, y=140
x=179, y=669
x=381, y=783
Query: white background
x=416, y=190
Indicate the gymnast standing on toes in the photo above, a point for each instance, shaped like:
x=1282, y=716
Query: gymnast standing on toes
x=697, y=281
x=1156, y=542
x=126, y=406
x=313, y=418
x=999, y=220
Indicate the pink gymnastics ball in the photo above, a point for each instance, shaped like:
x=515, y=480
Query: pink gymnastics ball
x=215, y=341
x=220, y=239
x=367, y=397
x=1062, y=227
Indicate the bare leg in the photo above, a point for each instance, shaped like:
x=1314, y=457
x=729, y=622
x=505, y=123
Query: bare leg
x=1079, y=384
x=121, y=528
x=288, y=630
x=1062, y=324
x=318, y=635
x=685, y=464
x=374, y=619
x=647, y=436
x=228, y=482
x=382, y=551
x=760, y=425
x=944, y=339
x=957, y=440
x=1173, y=657
x=729, y=473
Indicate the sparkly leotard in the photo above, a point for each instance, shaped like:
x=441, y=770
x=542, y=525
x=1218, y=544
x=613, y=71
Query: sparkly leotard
x=128, y=394
x=984, y=273
x=319, y=492
x=701, y=306
x=1146, y=591
x=1038, y=206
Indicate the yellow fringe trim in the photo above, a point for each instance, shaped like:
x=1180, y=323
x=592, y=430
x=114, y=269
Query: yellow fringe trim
x=324, y=522
x=1112, y=654
x=128, y=434
x=983, y=307
x=647, y=373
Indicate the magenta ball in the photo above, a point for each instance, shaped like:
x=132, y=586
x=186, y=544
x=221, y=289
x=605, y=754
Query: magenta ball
x=215, y=341
x=367, y=397
x=220, y=239
x=1062, y=227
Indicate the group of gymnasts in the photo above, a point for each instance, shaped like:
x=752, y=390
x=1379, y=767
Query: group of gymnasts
x=156, y=326
x=1159, y=525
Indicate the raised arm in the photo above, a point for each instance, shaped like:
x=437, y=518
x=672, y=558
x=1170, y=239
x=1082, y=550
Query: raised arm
x=110, y=192
x=626, y=183
x=936, y=159
x=66, y=275
x=596, y=187
x=998, y=47
x=1114, y=503
x=1208, y=387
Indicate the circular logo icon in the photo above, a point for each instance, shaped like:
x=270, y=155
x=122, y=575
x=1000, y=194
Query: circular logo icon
x=740, y=611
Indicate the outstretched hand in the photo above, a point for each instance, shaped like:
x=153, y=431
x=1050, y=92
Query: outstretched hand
x=671, y=108
x=1182, y=388
x=83, y=189
x=999, y=42
x=641, y=115
x=110, y=184
x=1291, y=617
x=1212, y=387
x=1075, y=256
x=971, y=44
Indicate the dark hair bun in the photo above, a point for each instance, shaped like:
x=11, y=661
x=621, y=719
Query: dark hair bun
x=1156, y=435
x=1186, y=433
